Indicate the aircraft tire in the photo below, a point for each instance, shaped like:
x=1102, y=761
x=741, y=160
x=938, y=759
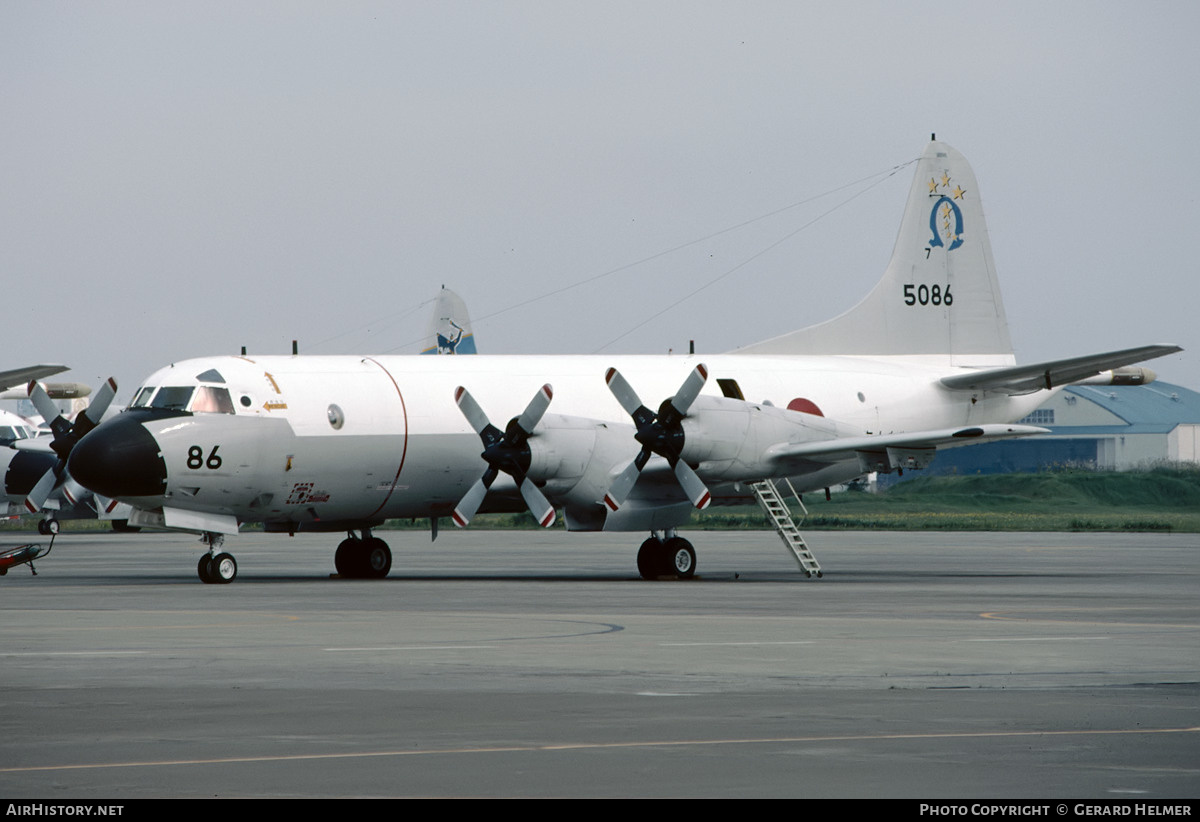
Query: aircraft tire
x=376, y=558
x=223, y=568
x=204, y=568
x=344, y=558
x=680, y=558
x=48, y=526
x=650, y=559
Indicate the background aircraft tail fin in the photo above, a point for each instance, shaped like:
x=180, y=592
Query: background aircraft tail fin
x=449, y=329
x=939, y=294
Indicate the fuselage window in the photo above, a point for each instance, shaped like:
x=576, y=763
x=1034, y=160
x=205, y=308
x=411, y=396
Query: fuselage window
x=211, y=375
x=210, y=400
x=175, y=399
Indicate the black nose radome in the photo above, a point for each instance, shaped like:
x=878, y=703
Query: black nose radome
x=119, y=458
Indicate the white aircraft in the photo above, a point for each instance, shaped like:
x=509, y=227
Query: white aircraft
x=33, y=466
x=343, y=443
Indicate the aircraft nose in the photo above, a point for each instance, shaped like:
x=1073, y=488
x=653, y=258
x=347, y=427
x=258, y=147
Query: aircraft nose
x=119, y=458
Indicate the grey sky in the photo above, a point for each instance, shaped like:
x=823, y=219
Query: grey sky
x=182, y=179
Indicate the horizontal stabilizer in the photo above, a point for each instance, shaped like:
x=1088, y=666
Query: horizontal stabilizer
x=1024, y=379
x=847, y=448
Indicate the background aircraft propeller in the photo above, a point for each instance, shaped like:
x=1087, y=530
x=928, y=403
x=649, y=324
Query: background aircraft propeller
x=65, y=434
x=661, y=434
x=506, y=451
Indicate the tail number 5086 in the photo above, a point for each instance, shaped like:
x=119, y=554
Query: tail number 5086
x=927, y=295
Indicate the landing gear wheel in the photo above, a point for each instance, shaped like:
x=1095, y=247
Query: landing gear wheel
x=223, y=568
x=343, y=558
x=680, y=558
x=376, y=558
x=204, y=568
x=369, y=558
x=650, y=559
x=47, y=527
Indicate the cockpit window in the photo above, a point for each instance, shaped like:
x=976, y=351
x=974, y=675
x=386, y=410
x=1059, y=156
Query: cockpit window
x=13, y=432
x=211, y=375
x=211, y=400
x=142, y=398
x=175, y=399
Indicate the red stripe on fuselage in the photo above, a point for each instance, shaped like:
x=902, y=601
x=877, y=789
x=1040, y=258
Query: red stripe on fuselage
x=404, y=450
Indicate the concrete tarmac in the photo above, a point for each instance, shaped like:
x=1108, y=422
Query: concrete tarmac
x=523, y=664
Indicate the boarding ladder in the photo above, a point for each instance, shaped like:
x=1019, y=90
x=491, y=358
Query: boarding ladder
x=772, y=502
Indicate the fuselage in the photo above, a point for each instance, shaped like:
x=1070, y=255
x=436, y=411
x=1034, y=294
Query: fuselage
x=303, y=441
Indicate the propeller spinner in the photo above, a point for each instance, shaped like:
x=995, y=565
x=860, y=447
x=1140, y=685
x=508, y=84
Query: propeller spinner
x=661, y=434
x=65, y=435
x=506, y=451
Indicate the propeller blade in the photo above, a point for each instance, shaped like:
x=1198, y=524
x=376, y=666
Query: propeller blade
x=693, y=486
x=618, y=492
x=623, y=391
x=73, y=491
x=660, y=433
x=469, y=504
x=536, y=408
x=471, y=410
x=690, y=389
x=44, y=405
x=96, y=408
x=539, y=506
x=104, y=505
x=36, y=499
x=505, y=452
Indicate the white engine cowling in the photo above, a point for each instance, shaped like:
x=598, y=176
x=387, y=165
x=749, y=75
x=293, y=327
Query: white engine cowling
x=727, y=438
x=575, y=456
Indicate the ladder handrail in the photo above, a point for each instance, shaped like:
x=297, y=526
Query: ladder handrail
x=769, y=498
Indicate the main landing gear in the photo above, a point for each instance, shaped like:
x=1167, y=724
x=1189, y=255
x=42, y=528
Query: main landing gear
x=665, y=554
x=365, y=558
x=217, y=566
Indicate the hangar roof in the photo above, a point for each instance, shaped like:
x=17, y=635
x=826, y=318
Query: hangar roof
x=1157, y=408
x=1156, y=404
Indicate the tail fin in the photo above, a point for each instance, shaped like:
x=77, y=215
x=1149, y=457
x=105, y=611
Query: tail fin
x=939, y=295
x=450, y=327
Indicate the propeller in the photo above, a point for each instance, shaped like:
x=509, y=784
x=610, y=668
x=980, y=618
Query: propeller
x=661, y=434
x=506, y=451
x=65, y=434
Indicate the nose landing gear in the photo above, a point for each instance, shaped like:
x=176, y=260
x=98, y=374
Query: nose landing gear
x=217, y=566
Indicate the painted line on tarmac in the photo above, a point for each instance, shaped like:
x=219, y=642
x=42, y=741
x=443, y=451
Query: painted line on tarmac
x=584, y=746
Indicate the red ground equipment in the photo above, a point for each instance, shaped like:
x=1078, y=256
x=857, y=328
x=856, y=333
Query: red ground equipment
x=22, y=555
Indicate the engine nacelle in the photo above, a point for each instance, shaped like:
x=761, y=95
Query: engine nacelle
x=727, y=438
x=575, y=456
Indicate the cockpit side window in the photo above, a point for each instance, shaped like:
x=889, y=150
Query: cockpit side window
x=142, y=398
x=173, y=398
x=211, y=400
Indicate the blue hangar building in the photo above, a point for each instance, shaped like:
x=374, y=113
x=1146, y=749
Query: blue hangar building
x=1108, y=428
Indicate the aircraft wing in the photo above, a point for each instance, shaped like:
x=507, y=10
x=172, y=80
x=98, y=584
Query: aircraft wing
x=1024, y=379
x=20, y=376
x=37, y=445
x=914, y=449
